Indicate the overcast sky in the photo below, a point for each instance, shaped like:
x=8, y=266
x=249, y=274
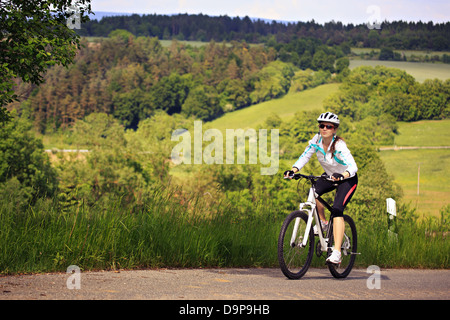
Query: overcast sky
x=346, y=11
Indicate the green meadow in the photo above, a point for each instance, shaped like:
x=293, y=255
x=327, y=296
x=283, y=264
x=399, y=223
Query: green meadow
x=423, y=133
x=425, y=188
x=419, y=70
x=284, y=107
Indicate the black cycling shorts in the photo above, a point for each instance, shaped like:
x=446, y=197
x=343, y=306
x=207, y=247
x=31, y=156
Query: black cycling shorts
x=344, y=192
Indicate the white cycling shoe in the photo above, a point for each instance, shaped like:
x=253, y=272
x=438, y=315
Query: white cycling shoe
x=335, y=257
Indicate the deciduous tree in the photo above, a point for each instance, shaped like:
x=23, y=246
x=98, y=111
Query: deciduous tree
x=34, y=36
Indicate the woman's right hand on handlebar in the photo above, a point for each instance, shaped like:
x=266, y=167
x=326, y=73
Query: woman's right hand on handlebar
x=289, y=174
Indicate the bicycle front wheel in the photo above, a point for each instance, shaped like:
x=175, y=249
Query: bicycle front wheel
x=293, y=257
x=348, y=250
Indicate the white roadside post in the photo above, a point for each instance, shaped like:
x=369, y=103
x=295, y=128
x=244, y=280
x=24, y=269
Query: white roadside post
x=392, y=223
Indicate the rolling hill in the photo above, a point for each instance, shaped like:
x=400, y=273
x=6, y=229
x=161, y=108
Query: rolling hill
x=284, y=107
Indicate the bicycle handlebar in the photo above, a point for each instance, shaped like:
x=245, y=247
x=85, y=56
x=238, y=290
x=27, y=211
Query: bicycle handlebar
x=311, y=178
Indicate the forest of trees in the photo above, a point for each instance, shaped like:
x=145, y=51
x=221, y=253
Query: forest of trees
x=132, y=77
x=129, y=74
x=397, y=34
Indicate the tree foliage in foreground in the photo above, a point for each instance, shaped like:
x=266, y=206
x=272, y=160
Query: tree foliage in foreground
x=25, y=169
x=33, y=37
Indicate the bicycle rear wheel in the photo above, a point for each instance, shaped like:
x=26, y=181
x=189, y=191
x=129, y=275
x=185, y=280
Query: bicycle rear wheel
x=294, y=259
x=348, y=249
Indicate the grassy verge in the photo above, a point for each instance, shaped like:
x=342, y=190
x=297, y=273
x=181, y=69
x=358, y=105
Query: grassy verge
x=166, y=233
x=418, y=242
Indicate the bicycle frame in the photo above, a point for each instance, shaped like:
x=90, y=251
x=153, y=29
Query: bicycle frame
x=312, y=213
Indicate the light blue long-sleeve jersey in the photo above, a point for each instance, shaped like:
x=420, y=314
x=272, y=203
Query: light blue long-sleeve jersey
x=338, y=162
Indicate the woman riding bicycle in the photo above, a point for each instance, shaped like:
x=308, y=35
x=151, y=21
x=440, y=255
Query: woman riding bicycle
x=337, y=161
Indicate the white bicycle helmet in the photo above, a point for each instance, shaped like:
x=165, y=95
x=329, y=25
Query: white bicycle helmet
x=328, y=117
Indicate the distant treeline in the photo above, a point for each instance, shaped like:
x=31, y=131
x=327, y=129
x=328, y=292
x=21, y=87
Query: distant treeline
x=397, y=34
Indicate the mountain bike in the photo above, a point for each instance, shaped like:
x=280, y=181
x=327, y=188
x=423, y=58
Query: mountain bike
x=297, y=243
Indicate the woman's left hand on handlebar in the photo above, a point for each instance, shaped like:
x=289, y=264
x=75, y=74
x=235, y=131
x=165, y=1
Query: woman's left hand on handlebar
x=337, y=176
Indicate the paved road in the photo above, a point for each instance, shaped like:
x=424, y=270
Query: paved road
x=228, y=284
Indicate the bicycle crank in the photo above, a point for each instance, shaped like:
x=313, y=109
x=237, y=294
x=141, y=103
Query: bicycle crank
x=319, y=249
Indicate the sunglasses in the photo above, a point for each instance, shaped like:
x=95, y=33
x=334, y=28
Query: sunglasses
x=328, y=126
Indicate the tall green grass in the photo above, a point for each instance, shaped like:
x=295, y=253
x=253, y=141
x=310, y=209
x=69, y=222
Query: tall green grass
x=166, y=232
x=416, y=244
